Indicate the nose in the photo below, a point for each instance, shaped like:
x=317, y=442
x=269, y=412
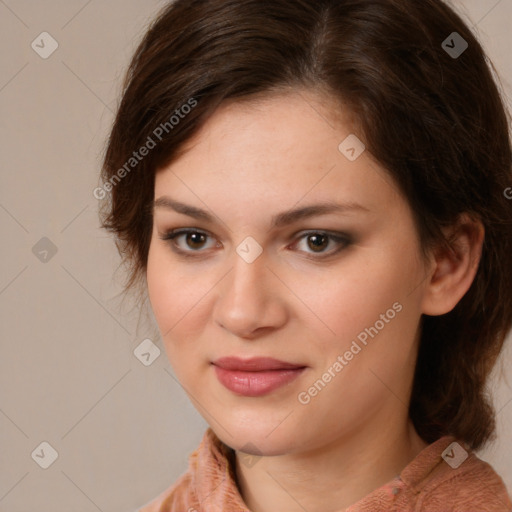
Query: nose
x=250, y=299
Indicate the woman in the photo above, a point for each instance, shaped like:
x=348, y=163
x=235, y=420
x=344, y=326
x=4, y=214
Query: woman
x=312, y=194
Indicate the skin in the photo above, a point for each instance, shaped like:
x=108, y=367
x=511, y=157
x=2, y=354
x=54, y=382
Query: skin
x=250, y=161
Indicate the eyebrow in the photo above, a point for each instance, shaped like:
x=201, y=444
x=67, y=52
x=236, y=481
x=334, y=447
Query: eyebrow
x=281, y=219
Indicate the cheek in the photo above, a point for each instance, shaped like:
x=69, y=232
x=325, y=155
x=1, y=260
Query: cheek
x=172, y=303
x=375, y=329
x=157, y=283
x=165, y=291
x=353, y=298
x=178, y=295
x=371, y=311
x=376, y=324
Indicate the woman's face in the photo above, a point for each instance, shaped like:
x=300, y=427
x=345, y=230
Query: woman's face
x=346, y=310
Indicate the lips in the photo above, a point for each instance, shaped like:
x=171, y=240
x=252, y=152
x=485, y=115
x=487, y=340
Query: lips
x=255, y=364
x=255, y=377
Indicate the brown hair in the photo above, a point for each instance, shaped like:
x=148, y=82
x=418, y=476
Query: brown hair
x=434, y=120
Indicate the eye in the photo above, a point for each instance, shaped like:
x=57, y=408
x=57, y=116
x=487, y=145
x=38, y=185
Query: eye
x=193, y=239
x=318, y=241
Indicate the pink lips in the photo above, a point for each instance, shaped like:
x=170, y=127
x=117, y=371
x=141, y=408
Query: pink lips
x=255, y=377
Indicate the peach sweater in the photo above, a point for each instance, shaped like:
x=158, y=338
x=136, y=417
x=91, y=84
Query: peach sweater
x=429, y=483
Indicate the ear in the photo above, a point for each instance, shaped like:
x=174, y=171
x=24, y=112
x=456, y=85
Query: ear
x=454, y=270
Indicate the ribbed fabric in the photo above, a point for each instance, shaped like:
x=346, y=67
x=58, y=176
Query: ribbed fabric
x=429, y=483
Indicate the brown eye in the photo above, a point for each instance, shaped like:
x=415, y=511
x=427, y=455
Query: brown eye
x=195, y=240
x=317, y=242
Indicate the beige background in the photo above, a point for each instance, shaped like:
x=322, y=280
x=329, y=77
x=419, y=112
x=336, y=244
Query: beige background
x=68, y=373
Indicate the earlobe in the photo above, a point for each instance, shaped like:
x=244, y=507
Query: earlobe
x=454, y=269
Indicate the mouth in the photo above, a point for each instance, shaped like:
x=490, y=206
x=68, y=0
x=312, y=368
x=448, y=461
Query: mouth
x=256, y=376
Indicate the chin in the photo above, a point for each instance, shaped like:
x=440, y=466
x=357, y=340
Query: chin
x=257, y=441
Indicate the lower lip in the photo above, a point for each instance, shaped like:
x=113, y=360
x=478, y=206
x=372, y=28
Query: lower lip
x=255, y=383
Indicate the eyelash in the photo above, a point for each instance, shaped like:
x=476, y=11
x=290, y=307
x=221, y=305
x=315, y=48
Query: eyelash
x=340, y=238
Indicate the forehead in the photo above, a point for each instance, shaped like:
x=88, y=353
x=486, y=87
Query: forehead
x=272, y=117
x=276, y=150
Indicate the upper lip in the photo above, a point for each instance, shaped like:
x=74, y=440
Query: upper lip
x=254, y=364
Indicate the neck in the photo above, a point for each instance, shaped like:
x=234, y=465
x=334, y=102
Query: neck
x=331, y=478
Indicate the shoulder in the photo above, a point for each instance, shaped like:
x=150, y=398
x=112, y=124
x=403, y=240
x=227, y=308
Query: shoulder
x=174, y=496
x=473, y=486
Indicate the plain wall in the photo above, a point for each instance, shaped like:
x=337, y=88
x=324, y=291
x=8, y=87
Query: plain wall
x=68, y=373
